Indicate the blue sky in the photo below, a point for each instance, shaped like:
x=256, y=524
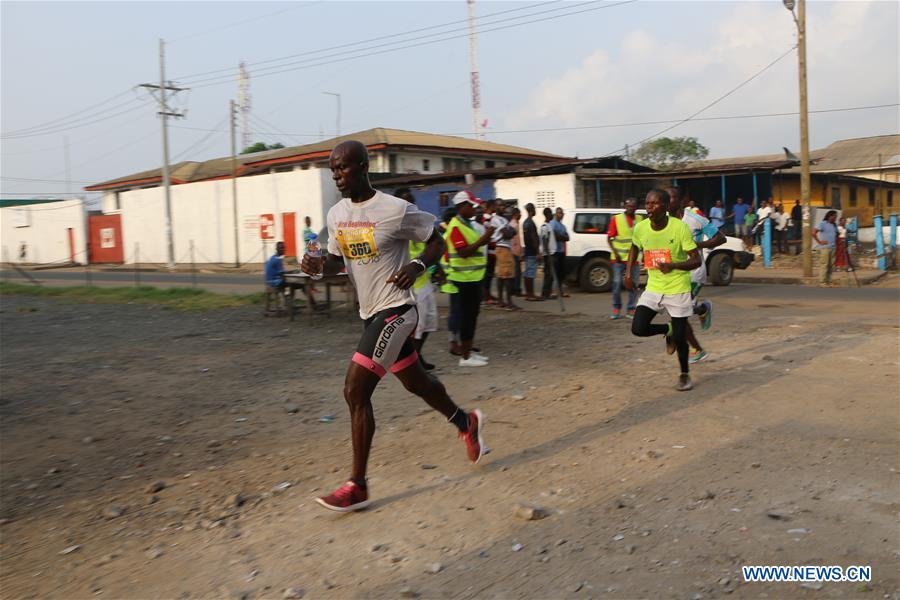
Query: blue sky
x=636, y=62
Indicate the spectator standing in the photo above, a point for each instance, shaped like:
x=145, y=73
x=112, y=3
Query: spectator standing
x=307, y=231
x=840, y=249
x=531, y=247
x=797, y=219
x=548, y=250
x=717, y=215
x=505, y=268
x=490, y=217
x=781, y=229
x=739, y=212
x=762, y=213
x=467, y=259
x=562, y=238
x=825, y=235
x=517, y=249
x=619, y=234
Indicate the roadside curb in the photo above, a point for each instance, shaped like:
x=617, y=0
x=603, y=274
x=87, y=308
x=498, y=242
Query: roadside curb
x=863, y=280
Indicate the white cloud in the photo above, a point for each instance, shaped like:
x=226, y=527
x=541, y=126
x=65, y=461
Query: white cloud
x=852, y=50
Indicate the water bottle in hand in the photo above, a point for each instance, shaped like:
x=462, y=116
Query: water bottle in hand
x=313, y=250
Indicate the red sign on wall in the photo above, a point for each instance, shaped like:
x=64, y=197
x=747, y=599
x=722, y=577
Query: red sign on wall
x=267, y=227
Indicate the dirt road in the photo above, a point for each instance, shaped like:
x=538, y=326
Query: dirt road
x=785, y=453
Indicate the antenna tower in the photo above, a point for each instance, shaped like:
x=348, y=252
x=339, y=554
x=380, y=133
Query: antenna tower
x=244, y=105
x=473, y=67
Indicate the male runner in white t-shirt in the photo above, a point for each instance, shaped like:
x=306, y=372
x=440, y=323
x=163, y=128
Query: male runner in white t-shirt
x=369, y=233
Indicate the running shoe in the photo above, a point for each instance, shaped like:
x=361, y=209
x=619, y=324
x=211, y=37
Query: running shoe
x=473, y=436
x=631, y=313
x=684, y=383
x=347, y=498
x=706, y=318
x=479, y=356
x=472, y=361
x=697, y=356
x=616, y=314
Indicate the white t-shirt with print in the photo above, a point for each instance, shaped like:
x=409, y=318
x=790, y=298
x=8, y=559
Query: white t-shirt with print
x=548, y=239
x=498, y=223
x=373, y=237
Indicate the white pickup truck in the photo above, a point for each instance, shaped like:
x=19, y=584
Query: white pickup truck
x=588, y=252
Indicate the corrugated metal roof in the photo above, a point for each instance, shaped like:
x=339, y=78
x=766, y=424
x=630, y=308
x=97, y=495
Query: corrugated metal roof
x=545, y=167
x=398, y=137
x=842, y=155
x=857, y=154
x=189, y=171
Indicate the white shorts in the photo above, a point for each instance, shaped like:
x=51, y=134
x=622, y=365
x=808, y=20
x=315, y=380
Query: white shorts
x=426, y=303
x=677, y=305
x=698, y=275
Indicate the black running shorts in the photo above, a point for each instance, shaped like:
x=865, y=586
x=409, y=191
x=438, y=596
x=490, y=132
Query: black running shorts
x=386, y=342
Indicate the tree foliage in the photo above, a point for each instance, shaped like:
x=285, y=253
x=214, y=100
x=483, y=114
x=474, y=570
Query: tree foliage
x=261, y=146
x=667, y=154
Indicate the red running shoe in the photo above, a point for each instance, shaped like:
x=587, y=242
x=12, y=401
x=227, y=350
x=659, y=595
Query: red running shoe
x=347, y=498
x=473, y=437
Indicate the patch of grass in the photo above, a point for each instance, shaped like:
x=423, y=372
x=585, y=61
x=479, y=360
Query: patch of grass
x=177, y=298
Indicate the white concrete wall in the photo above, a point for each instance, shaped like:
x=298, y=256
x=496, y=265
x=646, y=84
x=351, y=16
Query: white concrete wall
x=46, y=236
x=203, y=212
x=543, y=190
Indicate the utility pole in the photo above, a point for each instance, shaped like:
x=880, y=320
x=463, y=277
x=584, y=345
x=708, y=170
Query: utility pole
x=165, y=112
x=232, y=113
x=337, y=126
x=800, y=21
x=244, y=105
x=473, y=68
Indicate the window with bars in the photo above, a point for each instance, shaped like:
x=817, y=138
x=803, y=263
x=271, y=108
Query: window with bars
x=544, y=200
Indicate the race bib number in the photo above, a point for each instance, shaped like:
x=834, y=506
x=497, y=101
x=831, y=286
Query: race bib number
x=652, y=258
x=357, y=243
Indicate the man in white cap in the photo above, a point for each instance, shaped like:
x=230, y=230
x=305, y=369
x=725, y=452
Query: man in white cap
x=467, y=259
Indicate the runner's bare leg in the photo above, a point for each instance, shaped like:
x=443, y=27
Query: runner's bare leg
x=418, y=381
x=359, y=386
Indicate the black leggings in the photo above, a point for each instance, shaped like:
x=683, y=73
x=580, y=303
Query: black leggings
x=642, y=326
x=469, y=301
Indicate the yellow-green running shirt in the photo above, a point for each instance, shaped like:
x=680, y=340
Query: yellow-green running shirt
x=670, y=244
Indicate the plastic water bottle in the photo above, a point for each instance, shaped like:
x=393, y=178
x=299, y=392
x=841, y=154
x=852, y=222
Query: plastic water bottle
x=313, y=249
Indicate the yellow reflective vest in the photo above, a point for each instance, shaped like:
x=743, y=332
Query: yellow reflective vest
x=464, y=269
x=622, y=241
x=415, y=251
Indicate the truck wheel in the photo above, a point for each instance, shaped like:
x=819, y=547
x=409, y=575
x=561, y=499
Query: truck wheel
x=596, y=275
x=721, y=269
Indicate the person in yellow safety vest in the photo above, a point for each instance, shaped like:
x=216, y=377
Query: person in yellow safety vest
x=467, y=258
x=423, y=290
x=619, y=236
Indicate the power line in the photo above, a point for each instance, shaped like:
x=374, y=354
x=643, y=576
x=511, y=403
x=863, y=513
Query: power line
x=106, y=118
x=213, y=81
x=360, y=42
x=243, y=21
x=610, y=125
x=77, y=140
x=193, y=146
x=25, y=179
x=46, y=123
x=717, y=100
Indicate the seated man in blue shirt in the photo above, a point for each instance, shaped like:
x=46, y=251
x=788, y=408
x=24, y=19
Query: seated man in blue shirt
x=274, y=273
